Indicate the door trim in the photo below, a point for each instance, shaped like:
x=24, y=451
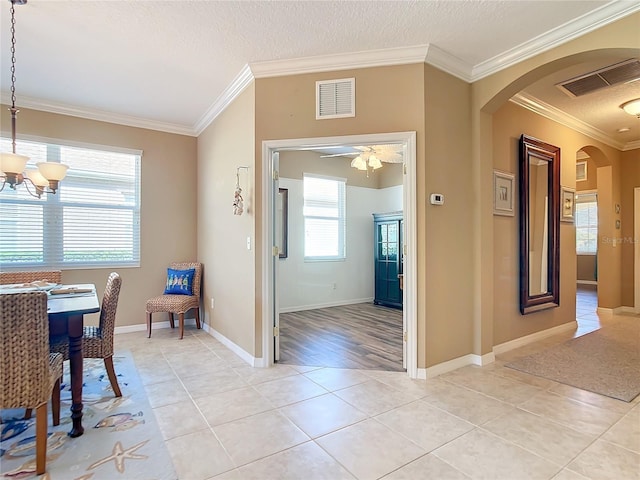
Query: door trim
x=636, y=248
x=408, y=139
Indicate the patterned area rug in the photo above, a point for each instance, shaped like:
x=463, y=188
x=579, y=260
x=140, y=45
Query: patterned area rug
x=606, y=361
x=121, y=438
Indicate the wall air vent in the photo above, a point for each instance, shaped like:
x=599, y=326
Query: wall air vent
x=336, y=98
x=622, y=72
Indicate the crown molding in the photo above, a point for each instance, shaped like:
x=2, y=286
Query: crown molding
x=99, y=115
x=340, y=61
x=552, y=113
x=588, y=22
x=235, y=88
x=450, y=64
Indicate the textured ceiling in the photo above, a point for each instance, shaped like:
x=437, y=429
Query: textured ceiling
x=168, y=62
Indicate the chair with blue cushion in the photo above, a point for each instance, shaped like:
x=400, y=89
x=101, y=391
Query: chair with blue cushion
x=181, y=294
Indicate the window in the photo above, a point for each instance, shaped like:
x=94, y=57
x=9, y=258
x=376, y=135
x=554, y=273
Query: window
x=324, y=218
x=92, y=221
x=586, y=223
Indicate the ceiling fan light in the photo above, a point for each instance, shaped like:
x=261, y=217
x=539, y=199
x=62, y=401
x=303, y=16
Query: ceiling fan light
x=36, y=178
x=374, y=162
x=359, y=163
x=632, y=107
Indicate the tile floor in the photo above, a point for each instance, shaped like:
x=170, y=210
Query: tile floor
x=224, y=420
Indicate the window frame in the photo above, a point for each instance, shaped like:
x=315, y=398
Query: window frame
x=52, y=224
x=594, y=200
x=341, y=220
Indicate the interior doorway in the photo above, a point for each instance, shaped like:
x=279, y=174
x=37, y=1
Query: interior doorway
x=271, y=155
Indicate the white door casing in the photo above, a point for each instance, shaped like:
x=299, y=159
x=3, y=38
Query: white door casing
x=269, y=261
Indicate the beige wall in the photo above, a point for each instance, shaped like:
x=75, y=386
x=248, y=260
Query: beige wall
x=591, y=183
x=222, y=237
x=586, y=267
x=630, y=179
x=168, y=202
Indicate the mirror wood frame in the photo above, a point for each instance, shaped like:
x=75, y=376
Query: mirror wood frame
x=532, y=148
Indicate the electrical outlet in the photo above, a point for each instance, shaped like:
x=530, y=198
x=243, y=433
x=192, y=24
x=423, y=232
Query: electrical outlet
x=212, y=304
x=248, y=243
x=335, y=285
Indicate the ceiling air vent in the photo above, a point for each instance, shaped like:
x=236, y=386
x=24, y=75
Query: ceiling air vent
x=336, y=98
x=622, y=72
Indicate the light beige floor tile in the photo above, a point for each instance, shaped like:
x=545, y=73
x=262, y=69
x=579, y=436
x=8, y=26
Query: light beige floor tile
x=288, y=390
x=543, y=383
x=214, y=382
x=466, y=404
x=566, y=474
x=577, y=415
x=336, y=378
x=228, y=356
x=550, y=440
x=259, y=436
x=166, y=393
x=323, y=414
x=591, y=398
x=425, y=425
x=414, y=388
x=626, y=432
x=179, y=419
x=159, y=372
x=495, y=386
x=253, y=376
x=192, y=363
x=232, y=405
x=304, y=368
x=369, y=449
x=373, y=397
x=427, y=467
x=198, y=456
x=480, y=454
x=606, y=461
x=307, y=461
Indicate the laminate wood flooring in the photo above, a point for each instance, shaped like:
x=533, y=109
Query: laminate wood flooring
x=360, y=336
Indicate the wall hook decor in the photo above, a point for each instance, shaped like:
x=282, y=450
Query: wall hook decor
x=238, y=202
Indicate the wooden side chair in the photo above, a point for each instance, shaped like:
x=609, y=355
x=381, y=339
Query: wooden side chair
x=97, y=342
x=29, y=373
x=179, y=296
x=51, y=276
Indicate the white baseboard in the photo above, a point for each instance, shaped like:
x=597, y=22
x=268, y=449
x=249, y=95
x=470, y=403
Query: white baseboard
x=534, y=337
x=250, y=359
x=587, y=282
x=631, y=310
x=340, y=303
x=450, y=365
x=141, y=327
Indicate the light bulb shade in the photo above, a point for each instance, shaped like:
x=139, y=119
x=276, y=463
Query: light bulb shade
x=52, y=171
x=359, y=163
x=12, y=163
x=36, y=178
x=632, y=107
x=374, y=162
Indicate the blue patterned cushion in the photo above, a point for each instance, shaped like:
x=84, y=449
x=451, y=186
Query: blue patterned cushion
x=179, y=282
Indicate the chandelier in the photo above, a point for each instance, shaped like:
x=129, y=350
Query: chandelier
x=46, y=178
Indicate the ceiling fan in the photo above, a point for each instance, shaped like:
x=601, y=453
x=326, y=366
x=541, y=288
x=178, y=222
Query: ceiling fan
x=371, y=156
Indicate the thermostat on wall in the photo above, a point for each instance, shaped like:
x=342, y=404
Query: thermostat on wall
x=437, y=199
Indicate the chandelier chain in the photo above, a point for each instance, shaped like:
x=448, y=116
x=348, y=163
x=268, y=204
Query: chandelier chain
x=13, y=55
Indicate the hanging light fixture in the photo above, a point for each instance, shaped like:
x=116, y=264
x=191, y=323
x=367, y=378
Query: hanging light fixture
x=366, y=162
x=46, y=178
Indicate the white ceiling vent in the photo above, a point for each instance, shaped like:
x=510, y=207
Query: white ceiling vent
x=336, y=98
x=622, y=72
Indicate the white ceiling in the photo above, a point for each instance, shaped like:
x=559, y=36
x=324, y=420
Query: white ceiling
x=173, y=65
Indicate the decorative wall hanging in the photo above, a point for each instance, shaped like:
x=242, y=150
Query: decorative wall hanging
x=238, y=201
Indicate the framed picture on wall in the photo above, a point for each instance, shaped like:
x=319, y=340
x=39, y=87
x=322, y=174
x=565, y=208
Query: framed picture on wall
x=503, y=199
x=581, y=171
x=567, y=204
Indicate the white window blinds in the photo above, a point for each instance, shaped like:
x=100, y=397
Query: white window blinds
x=586, y=223
x=92, y=221
x=324, y=218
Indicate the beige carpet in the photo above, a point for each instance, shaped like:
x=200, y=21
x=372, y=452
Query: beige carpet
x=606, y=361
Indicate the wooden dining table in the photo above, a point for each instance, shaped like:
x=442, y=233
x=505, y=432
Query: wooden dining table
x=66, y=316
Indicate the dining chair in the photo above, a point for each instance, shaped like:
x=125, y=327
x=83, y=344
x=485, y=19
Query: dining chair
x=179, y=296
x=51, y=276
x=97, y=342
x=29, y=373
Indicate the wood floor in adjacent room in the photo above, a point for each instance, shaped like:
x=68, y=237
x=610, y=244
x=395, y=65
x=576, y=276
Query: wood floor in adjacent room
x=361, y=336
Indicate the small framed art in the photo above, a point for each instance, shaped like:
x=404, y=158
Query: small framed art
x=568, y=204
x=503, y=199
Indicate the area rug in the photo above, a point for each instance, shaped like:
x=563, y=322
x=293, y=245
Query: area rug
x=606, y=361
x=121, y=439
